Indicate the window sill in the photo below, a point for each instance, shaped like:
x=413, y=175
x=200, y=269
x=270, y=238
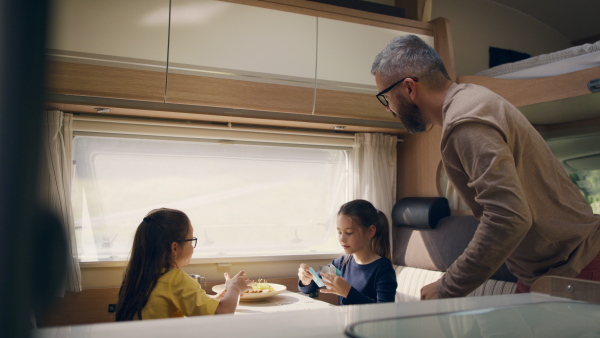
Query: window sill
x=224, y=260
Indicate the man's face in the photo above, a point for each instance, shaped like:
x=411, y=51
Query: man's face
x=408, y=113
x=402, y=108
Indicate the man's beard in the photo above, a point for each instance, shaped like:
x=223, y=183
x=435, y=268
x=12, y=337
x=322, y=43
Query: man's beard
x=410, y=116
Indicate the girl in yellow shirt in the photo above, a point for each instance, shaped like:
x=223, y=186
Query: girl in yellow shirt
x=155, y=287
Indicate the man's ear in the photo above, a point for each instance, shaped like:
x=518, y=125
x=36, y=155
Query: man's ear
x=411, y=86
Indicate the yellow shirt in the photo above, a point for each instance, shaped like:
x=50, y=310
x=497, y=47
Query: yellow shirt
x=177, y=295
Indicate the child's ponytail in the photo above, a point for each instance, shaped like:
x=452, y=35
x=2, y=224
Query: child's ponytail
x=380, y=243
x=363, y=213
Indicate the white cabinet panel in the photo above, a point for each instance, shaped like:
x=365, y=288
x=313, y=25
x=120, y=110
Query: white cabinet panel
x=119, y=28
x=108, y=48
x=256, y=43
x=346, y=52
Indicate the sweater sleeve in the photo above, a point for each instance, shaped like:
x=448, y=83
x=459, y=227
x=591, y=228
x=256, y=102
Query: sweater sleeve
x=479, y=163
x=386, y=284
x=310, y=288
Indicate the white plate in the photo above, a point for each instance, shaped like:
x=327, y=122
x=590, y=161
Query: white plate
x=249, y=297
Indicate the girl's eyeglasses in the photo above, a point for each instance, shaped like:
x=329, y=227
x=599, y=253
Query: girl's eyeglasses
x=194, y=241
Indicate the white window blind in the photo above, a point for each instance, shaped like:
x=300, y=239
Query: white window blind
x=248, y=192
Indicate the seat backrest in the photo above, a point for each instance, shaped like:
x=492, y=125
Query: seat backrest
x=426, y=236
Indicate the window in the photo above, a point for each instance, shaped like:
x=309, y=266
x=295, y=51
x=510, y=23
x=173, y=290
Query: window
x=588, y=182
x=243, y=198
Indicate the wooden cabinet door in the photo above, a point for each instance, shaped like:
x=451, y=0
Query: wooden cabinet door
x=231, y=55
x=108, y=48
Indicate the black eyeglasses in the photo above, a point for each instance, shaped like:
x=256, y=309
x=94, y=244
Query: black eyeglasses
x=194, y=241
x=382, y=98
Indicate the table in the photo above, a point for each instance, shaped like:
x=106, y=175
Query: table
x=285, y=301
x=327, y=321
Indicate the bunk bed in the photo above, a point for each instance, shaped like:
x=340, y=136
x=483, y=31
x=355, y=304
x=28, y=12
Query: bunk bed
x=546, y=78
x=558, y=93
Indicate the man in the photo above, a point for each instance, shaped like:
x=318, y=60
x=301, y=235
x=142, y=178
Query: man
x=530, y=213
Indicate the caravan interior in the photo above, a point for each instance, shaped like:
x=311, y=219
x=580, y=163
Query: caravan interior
x=250, y=116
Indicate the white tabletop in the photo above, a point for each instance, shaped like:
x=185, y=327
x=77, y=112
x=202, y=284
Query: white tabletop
x=321, y=321
x=285, y=301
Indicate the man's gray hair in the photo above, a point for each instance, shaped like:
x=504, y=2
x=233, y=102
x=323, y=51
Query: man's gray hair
x=409, y=56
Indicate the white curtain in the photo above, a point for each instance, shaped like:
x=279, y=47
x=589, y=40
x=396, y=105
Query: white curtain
x=374, y=170
x=56, y=169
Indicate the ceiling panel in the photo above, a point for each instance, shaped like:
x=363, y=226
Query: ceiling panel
x=575, y=19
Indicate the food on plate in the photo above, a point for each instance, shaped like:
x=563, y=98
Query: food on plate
x=261, y=286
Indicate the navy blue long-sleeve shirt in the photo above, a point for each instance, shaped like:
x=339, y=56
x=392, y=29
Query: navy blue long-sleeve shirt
x=370, y=283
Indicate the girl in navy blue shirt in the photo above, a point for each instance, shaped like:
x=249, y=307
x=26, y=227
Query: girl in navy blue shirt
x=366, y=272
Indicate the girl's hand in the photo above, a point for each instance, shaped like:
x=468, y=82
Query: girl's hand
x=239, y=283
x=222, y=293
x=235, y=287
x=304, y=275
x=336, y=285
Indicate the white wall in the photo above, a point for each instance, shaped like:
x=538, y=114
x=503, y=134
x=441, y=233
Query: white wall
x=477, y=25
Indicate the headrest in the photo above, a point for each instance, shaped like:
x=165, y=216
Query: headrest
x=420, y=212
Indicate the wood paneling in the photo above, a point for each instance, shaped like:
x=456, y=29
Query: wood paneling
x=443, y=45
x=569, y=288
x=540, y=89
x=351, y=105
x=216, y=92
x=419, y=155
x=418, y=159
x=85, y=307
x=94, y=80
x=172, y=113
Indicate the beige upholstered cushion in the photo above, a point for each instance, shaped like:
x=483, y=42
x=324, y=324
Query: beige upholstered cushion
x=411, y=280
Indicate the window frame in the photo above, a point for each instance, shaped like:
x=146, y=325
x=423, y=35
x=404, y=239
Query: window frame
x=203, y=132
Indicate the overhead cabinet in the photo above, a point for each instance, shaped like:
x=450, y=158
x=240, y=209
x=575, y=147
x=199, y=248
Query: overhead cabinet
x=345, y=85
x=278, y=60
x=224, y=54
x=108, y=48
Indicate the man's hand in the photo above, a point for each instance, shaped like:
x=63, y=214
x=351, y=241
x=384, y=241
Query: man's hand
x=429, y=291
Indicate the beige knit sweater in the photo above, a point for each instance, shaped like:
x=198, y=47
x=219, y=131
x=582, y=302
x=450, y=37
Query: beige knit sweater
x=531, y=215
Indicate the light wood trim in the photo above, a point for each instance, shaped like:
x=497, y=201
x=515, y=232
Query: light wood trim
x=85, y=307
x=576, y=128
x=238, y=118
x=216, y=92
x=91, y=305
x=235, y=121
x=443, y=44
x=570, y=288
x=530, y=91
x=352, y=105
x=418, y=159
x=93, y=80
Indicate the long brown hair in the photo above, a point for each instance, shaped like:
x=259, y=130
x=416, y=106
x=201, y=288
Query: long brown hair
x=150, y=258
x=364, y=214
